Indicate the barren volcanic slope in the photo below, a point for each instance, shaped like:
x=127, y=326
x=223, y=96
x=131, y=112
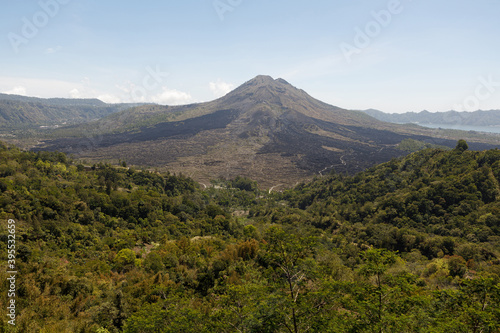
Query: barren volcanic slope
x=266, y=129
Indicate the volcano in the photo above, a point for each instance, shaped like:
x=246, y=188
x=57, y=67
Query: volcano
x=265, y=129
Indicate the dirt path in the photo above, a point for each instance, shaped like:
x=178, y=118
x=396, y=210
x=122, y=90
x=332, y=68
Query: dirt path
x=343, y=162
x=272, y=188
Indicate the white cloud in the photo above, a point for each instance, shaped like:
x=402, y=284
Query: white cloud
x=108, y=98
x=17, y=90
x=131, y=93
x=75, y=93
x=127, y=92
x=171, y=97
x=52, y=50
x=38, y=87
x=220, y=88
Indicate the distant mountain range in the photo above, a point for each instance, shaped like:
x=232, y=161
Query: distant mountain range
x=22, y=112
x=477, y=118
x=265, y=129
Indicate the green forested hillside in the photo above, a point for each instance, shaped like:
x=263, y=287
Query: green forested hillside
x=20, y=113
x=411, y=245
x=447, y=194
x=54, y=101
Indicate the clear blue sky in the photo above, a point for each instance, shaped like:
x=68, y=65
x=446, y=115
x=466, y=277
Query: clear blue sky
x=420, y=54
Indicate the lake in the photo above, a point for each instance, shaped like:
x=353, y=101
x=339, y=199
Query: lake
x=490, y=129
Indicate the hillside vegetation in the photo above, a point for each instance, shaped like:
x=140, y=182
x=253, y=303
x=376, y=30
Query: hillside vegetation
x=411, y=245
x=262, y=124
x=21, y=113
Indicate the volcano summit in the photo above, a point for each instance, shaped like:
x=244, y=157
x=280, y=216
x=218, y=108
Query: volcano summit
x=265, y=129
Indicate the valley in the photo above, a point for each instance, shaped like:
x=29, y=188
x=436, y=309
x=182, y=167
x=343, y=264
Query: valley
x=266, y=130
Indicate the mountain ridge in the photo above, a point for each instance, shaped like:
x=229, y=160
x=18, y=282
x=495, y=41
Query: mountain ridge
x=265, y=129
x=53, y=101
x=465, y=118
x=18, y=111
x=259, y=92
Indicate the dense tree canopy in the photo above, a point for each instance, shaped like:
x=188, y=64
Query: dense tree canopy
x=411, y=245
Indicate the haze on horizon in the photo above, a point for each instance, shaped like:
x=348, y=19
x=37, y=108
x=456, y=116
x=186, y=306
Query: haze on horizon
x=392, y=55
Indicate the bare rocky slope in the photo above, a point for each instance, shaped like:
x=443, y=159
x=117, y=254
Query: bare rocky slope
x=266, y=129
